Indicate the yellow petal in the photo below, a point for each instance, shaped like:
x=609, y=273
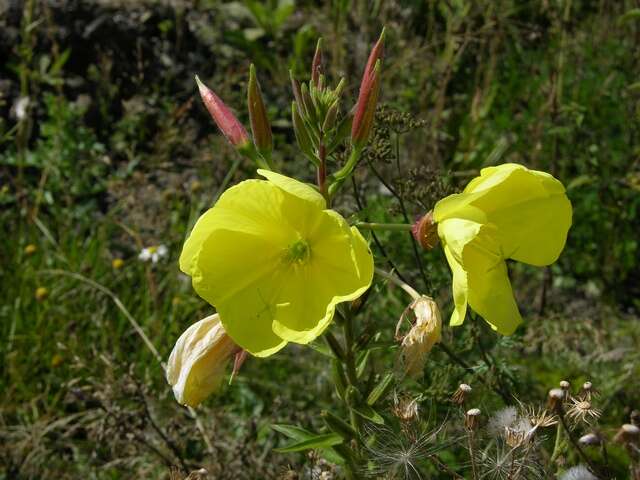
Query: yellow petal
x=455, y=235
x=294, y=187
x=529, y=208
x=479, y=274
x=237, y=273
x=460, y=288
x=340, y=269
x=197, y=363
x=532, y=214
x=490, y=293
x=251, y=207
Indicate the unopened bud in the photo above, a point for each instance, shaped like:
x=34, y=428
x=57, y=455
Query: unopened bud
x=590, y=439
x=628, y=433
x=307, y=102
x=365, y=108
x=224, y=118
x=425, y=231
x=330, y=117
x=555, y=399
x=316, y=65
x=258, y=116
x=564, y=385
x=461, y=394
x=472, y=419
x=302, y=135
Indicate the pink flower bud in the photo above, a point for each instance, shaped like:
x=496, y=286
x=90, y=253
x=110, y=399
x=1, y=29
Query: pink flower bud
x=368, y=96
x=366, y=108
x=224, y=118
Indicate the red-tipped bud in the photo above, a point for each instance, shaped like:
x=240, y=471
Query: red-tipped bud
x=258, y=116
x=316, y=65
x=374, y=56
x=425, y=231
x=368, y=96
x=366, y=108
x=224, y=118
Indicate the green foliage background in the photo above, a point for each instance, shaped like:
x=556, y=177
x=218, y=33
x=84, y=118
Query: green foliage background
x=115, y=153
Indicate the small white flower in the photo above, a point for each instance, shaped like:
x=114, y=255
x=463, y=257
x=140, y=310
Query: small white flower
x=578, y=473
x=153, y=253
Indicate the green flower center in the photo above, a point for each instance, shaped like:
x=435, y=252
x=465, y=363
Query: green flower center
x=298, y=252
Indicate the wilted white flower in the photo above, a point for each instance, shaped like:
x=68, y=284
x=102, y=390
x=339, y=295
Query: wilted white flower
x=578, y=473
x=424, y=333
x=198, y=361
x=153, y=253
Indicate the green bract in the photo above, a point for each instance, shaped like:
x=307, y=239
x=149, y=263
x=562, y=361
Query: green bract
x=275, y=262
x=508, y=212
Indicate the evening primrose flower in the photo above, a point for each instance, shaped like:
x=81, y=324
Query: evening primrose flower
x=508, y=212
x=197, y=363
x=275, y=262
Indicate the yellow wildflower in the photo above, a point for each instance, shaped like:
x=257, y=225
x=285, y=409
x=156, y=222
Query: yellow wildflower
x=197, y=363
x=508, y=212
x=56, y=360
x=41, y=294
x=30, y=249
x=117, y=263
x=275, y=262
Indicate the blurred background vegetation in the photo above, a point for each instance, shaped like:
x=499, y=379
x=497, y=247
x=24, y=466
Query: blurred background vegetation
x=105, y=150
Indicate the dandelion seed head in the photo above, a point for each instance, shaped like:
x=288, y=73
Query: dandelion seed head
x=502, y=419
x=579, y=472
x=582, y=410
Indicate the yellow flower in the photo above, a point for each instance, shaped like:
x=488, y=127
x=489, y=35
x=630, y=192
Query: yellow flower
x=198, y=361
x=117, y=263
x=41, y=294
x=30, y=249
x=275, y=262
x=508, y=212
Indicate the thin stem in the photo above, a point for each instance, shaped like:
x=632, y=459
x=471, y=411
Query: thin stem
x=474, y=467
x=405, y=215
x=575, y=444
x=393, y=227
x=403, y=285
x=376, y=240
x=557, y=447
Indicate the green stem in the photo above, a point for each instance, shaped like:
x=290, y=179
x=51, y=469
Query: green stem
x=557, y=448
x=403, y=285
x=393, y=227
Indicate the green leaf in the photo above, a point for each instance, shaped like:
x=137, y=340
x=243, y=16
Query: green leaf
x=632, y=14
x=318, y=441
x=368, y=413
x=293, y=431
x=380, y=390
